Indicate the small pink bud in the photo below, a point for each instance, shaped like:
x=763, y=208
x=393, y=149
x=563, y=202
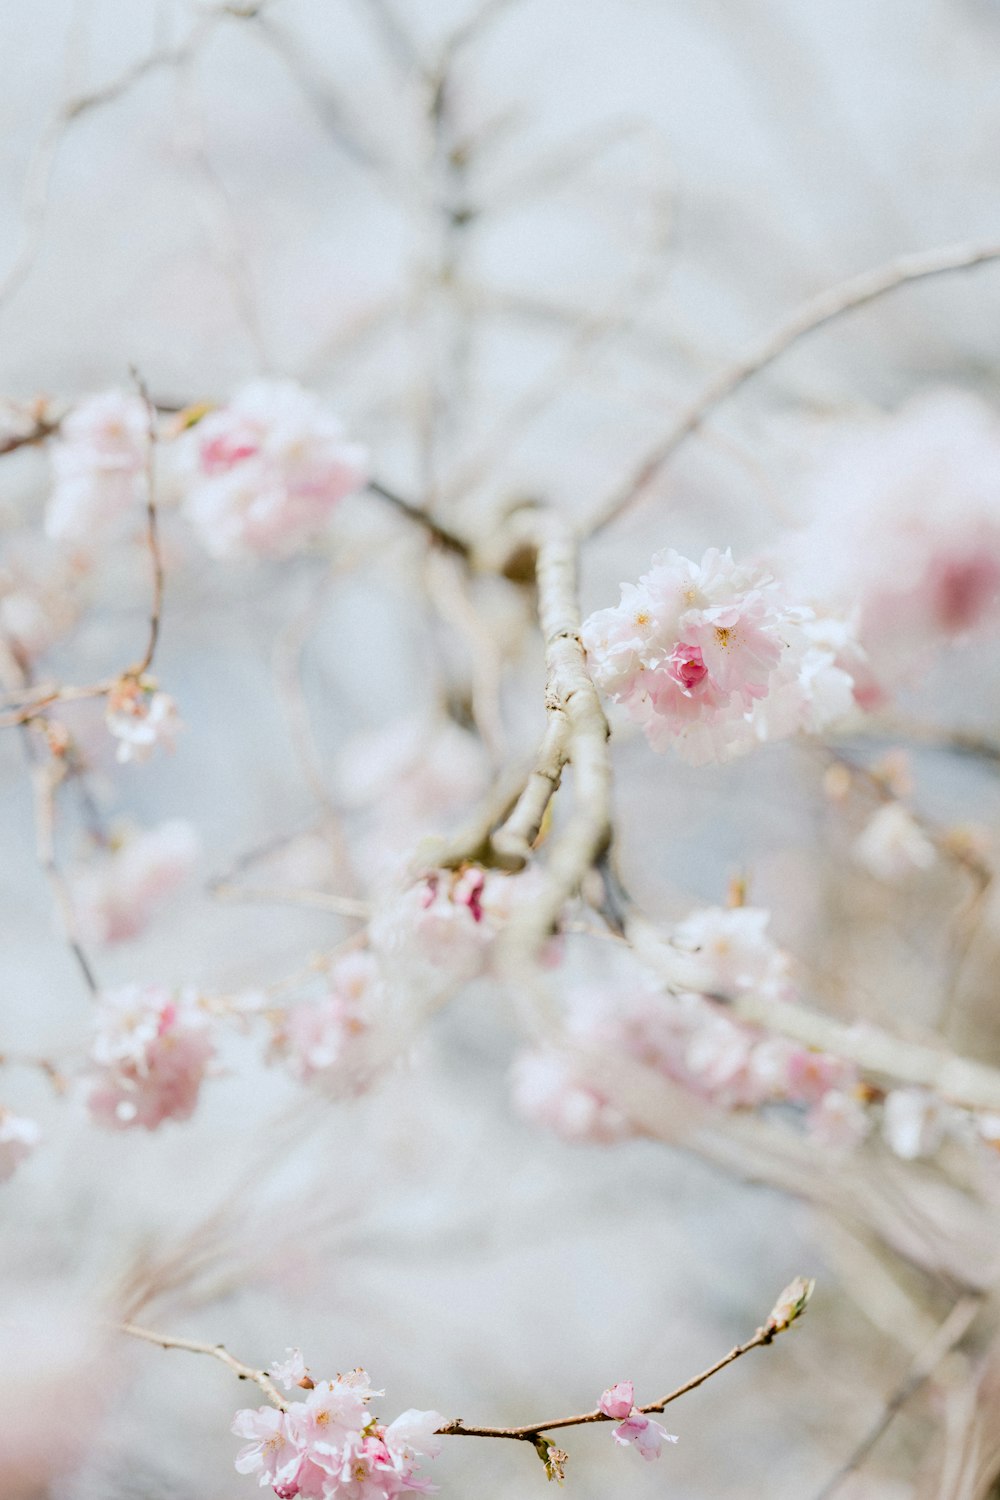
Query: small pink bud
x=618, y=1400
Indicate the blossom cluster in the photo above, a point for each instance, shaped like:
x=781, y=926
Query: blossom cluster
x=341, y=1038
x=686, y=1034
x=711, y=658
x=150, y=1053
x=634, y=1427
x=905, y=533
x=329, y=1445
x=265, y=471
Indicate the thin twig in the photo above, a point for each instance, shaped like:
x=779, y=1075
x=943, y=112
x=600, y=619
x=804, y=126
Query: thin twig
x=441, y=534
x=950, y=1333
x=217, y=1351
x=152, y=534
x=856, y=292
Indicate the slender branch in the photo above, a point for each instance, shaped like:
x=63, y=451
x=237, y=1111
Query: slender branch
x=789, y=1307
x=856, y=292
x=943, y=1341
x=217, y=1351
x=44, y=781
x=515, y=839
x=269, y=895
x=449, y=539
x=152, y=534
x=958, y=1080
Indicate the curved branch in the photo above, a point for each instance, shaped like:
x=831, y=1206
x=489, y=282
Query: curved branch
x=856, y=292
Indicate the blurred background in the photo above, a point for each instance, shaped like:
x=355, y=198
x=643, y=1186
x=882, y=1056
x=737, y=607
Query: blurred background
x=507, y=242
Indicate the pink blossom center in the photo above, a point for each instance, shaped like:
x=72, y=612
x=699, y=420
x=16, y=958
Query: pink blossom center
x=686, y=666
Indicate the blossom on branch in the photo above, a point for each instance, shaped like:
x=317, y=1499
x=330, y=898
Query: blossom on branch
x=711, y=658
x=634, y=1427
x=330, y=1445
x=99, y=466
x=150, y=1054
x=265, y=471
x=141, y=717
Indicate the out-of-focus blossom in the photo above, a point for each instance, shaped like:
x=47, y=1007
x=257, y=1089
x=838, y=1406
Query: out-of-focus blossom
x=149, y=1057
x=437, y=933
x=893, y=845
x=140, y=717
x=838, y=1121
x=546, y=1091
x=711, y=658
x=344, y=1036
x=18, y=1138
x=267, y=469
x=99, y=464
x=330, y=1445
x=905, y=532
x=727, y=951
x=688, y=1036
x=913, y=1123
x=634, y=1427
x=116, y=894
x=409, y=779
x=39, y=595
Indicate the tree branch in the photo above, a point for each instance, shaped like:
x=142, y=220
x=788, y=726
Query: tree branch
x=856, y=292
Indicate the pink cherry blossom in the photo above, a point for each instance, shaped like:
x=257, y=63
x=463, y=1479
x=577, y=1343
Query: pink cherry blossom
x=266, y=470
x=340, y=1038
x=905, y=532
x=331, y=1447
x=141, y=718
x=290, y=1371
x=270, y=1450
x=644, y=1433
x=545, y=1090
x=710, y=658
x=116, y=894
x=18, y=1139
x=618, y=1400
x=892, y=844
x=99, y=465
x=150, y=1054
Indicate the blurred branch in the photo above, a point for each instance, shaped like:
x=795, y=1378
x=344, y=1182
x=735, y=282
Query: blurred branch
x=951, y=1332
x=856, y=292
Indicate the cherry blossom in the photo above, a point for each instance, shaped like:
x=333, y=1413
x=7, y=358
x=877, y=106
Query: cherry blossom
x=905, y=532
x=343, y=1037
x=893, y=845
x=99, y=464
x=710, y=658
x=291, y=1371
x=265, y=471
x=685, y=1033
x=914, y=1122
x=634, y=1427
x=330, y=1446
x=437, y=933
x=141, y=718
x=18, y=1139
x=150, y=1054
x=116, y=894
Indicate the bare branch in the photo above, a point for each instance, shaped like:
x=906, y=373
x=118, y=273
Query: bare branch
x=856, y=292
